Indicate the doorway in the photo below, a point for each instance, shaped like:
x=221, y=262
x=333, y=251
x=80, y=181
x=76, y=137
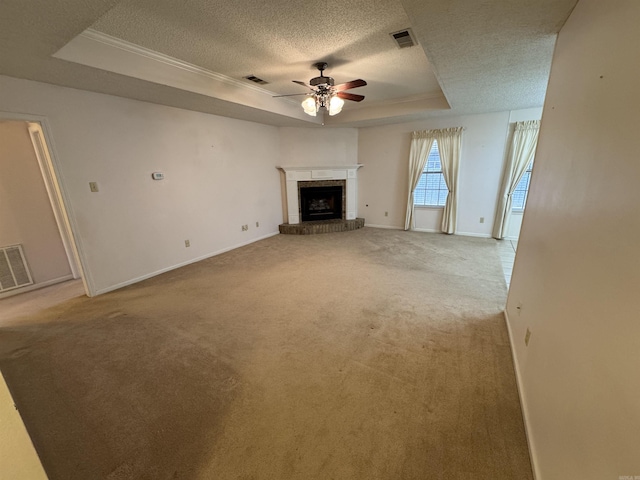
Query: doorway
x=34, y=217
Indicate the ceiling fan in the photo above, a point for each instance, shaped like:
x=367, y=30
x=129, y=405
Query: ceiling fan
x=324, y=94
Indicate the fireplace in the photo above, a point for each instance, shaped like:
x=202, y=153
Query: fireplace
x=321, y=200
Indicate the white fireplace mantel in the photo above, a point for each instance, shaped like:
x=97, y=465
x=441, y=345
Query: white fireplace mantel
x=293, y=175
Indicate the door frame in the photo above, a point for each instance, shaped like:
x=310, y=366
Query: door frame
x=41, y=139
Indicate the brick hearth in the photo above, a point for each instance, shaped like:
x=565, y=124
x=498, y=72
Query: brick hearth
x=323, y=226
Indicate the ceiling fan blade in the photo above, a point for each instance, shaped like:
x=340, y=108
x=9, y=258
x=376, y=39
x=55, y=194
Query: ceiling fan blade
x=289, y=95
x=349, y=85
x=350, y=96
x=301, y=83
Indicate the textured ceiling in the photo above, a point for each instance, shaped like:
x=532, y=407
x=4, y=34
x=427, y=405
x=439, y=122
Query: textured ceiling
x=279, y=40
x=473, y=56
x=490, y=54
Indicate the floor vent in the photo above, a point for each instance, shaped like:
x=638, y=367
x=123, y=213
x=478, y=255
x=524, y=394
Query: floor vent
x=254, y=79
x=404, y=38
x=13, y=268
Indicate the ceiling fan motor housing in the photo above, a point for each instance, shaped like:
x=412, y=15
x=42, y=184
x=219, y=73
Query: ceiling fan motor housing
x=321, y=81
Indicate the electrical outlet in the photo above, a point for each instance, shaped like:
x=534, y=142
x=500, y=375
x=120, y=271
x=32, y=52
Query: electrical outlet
x=245, y=228
x=257, y=224
x=386, y=214
x=187, y=243
x=481, y=219
x=527, y=336
x=93, y=186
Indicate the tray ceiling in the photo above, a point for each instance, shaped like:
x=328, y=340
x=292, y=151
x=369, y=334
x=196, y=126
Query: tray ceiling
x=472, y=56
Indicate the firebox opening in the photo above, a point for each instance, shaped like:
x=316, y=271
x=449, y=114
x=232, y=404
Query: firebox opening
x=321, y=203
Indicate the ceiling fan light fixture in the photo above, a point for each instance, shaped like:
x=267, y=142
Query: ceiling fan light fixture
x=325, y=94
x=335, y=105
x=309, y=106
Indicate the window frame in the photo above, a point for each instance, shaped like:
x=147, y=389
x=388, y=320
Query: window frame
x=529, y=170
x=426, y=172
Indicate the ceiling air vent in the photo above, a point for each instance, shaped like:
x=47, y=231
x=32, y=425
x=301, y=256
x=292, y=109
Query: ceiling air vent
x=404, y=38
x=254, y=79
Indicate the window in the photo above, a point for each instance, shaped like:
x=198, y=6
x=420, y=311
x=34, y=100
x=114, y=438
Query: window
x=432, y=190
x=519, y=196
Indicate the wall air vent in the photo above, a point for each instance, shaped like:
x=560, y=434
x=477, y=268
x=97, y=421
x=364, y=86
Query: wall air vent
x=13, y=268
x=254, y=79
x=404, y=38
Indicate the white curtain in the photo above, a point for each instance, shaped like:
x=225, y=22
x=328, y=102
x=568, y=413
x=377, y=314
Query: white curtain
x=523, y=149
x=421, y=143
x=449, y=144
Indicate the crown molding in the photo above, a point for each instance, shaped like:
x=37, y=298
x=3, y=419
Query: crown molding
x=99, y=50
x=167, y=60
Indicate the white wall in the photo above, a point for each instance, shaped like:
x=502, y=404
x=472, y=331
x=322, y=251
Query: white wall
x=385, y=153
x=524, y=115
x=577, y=271
x=220, y=174
x=26, y=216
x=318, y=146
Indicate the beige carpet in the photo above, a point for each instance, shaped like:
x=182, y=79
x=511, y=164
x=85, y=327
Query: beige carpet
x=373, y=354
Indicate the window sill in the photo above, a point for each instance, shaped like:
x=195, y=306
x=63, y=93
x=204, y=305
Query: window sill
x=429, y=207
x=517, y=212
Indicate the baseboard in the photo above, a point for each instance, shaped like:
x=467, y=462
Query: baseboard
x=469, y=234
x=388, y=227
x=183, y=264
x=36, y=286
x=430, y=230
x=523, y=401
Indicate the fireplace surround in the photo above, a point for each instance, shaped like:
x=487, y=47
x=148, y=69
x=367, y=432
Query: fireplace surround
x=318, y=195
